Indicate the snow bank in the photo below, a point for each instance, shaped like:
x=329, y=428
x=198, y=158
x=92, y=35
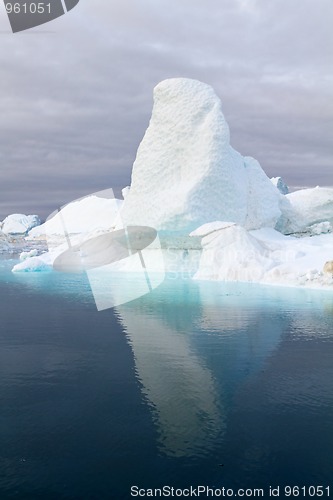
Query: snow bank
x=19, y=224
x=86, y=215
x=305, y=210
x=186, y=173
x=233, y=254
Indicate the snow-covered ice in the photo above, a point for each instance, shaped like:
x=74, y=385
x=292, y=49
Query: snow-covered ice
x=34, y=264
x=19, y=224
x=29, y=254
x=231, y=253
x=307, y=208
x=186, y=173
x=91, y=213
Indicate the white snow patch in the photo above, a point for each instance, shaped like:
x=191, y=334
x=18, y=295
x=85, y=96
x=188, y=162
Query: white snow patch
x=125, y=191
x=320, y=228
x=306, y=208
x=265, y=256
x=89, y=214
x=27, y=255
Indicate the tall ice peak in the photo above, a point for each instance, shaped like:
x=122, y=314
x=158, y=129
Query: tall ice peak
x=186, y=173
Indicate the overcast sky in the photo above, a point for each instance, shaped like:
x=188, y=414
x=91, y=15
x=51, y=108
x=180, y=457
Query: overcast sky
x=76, y=94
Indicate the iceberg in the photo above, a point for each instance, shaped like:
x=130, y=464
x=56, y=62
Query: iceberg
x=216, y=213
x=187, y=174
x=19, y=224
x=34, y=264
x=306, y=209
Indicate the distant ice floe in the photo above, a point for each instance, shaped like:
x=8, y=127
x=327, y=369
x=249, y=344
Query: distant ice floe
x=34, y=264
x=19, y=224
x=34, y=259
x=217, y=214
x=12, y=231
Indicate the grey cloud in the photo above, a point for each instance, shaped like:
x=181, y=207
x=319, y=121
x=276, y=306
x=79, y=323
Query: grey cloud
x=75, y=100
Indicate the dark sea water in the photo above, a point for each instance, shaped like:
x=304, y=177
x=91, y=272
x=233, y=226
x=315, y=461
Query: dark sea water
x=210, y=384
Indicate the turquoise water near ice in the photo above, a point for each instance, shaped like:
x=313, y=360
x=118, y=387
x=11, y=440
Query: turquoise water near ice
x=196, y=383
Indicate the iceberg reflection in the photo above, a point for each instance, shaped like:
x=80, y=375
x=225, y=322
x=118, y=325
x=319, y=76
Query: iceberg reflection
x=188, y=374
x=177, y=384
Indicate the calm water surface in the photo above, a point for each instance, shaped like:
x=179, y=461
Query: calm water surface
x=196, y=383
